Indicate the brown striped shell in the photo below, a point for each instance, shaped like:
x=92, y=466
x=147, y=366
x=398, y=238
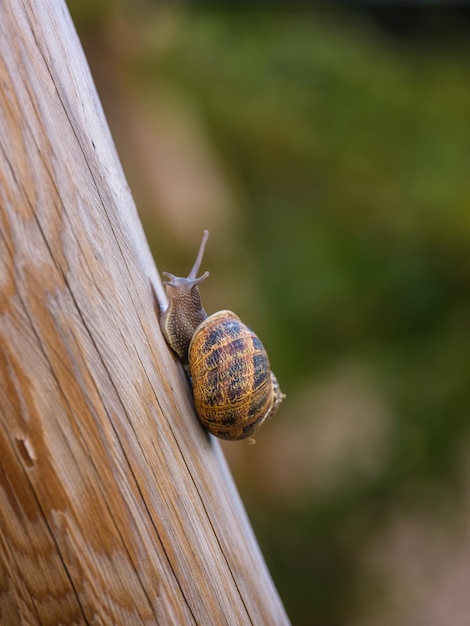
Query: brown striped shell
x=233, y=387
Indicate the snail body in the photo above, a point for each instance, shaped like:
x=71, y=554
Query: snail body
x=234, y=389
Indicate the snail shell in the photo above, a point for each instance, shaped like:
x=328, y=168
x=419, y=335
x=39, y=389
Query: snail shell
x=233, y=387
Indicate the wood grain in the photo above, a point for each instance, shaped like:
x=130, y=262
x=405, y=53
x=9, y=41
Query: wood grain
x=116, y=507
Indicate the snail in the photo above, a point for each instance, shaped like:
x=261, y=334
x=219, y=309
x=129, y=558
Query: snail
x=234, y=389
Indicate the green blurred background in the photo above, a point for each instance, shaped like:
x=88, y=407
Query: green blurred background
x=327, y=151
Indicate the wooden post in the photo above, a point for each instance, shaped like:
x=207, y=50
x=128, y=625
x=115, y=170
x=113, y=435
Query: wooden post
x=116, y=507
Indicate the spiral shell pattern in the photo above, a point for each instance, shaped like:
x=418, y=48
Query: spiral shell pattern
x=233, y=387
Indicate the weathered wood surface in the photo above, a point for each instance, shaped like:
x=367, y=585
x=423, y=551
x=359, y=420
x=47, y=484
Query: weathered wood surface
x=115, y=506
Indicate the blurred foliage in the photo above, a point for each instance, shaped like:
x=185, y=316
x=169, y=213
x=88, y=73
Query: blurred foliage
x=347, y=151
